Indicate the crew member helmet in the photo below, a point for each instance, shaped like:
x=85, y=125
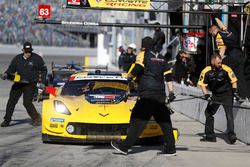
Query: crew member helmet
x=133, y=46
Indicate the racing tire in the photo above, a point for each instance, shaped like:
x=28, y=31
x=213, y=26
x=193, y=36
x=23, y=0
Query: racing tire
x=46, y=139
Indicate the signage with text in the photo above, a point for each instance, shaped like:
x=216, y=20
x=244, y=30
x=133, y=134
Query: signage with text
x=122, y=4
x=44, y=11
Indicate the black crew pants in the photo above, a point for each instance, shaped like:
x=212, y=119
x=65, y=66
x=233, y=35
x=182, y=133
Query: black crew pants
x=247, y=72
x=16, y=91
x=236, y=61
x=143, y=110
x=212, y=109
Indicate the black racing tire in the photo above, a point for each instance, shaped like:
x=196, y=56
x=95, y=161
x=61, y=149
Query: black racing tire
x=46, y=139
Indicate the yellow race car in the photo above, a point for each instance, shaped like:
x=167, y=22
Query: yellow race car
x=92, y=107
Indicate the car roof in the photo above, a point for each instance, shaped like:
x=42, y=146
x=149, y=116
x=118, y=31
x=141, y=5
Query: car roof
x=98, y=74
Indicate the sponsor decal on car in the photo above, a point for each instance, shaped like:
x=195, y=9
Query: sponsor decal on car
x=56, y=119
x=60, y=83
x=53, y=125
x=96, y=77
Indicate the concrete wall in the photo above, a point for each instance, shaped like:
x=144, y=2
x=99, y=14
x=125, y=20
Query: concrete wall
x=195, y=108
x=50, y=51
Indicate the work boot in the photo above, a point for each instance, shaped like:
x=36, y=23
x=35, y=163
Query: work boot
x=208, y=139
x=5, y=123
x=168, y=153
x=37, y=121
x=232, y=138
x=119, y=147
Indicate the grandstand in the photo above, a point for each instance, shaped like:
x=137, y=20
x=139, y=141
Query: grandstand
x=16, y=24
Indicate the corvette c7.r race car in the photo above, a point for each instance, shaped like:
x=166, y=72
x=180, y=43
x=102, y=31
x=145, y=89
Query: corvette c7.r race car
x=92, y=107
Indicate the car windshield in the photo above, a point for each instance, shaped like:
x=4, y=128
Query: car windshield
x=62, y=76
x=80, y=87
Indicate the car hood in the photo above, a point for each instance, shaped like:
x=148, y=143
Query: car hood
x=82, y=110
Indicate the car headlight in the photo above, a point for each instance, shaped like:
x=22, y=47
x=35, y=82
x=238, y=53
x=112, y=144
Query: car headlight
x=61, y=108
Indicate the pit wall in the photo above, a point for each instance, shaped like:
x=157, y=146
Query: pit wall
x=195, y=109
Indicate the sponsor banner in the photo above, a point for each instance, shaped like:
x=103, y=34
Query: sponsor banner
x=123, y=4
x=84, y=23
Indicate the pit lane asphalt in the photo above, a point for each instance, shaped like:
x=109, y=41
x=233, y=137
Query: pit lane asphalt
x=21, y=145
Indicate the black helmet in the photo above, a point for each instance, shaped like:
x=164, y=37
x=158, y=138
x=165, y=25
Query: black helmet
x=147, y=43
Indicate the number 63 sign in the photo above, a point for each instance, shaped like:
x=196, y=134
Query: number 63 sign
x=44, y=11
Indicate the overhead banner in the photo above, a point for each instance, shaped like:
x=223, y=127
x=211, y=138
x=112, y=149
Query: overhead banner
x=118, y=4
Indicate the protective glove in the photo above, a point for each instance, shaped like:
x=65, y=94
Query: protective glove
x=4, y=76
x=40, y=87
x=208, y=97
x=40, y=91
x=171, y=97
x=236, y=94
x=130, y=77
x=171, y=111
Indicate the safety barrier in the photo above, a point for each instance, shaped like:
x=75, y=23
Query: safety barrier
x=50, y=50
x=195, y=108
